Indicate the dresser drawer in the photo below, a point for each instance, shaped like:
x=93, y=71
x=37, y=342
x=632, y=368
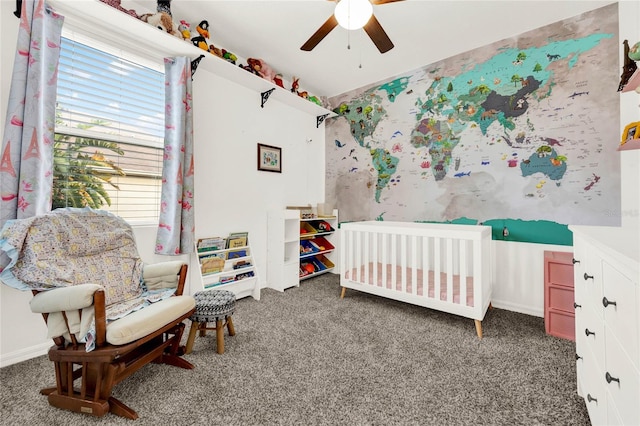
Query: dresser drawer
x=622, y=381
x=594, y=393
x=591, y=331
x=621, y=313
x=613, y=418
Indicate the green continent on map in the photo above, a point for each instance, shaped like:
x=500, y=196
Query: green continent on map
x=395, y=87
x=385, y=164
x=546, y=161
x=363, y=115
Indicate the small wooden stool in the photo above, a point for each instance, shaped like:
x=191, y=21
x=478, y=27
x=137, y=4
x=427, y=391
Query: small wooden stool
x=212, y=306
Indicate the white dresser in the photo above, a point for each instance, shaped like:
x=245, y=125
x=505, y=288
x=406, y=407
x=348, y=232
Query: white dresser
x=607, y=314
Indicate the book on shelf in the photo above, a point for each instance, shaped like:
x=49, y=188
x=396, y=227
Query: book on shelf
x=211, y=243
x=220, y=255
x=211, y=265
x=237, y=239
x=244, y=275
x=236, y=254
x=241, y=264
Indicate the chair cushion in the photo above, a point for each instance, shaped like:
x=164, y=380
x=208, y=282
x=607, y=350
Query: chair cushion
x=64, y=298
x=161, y=275
x=141, y=323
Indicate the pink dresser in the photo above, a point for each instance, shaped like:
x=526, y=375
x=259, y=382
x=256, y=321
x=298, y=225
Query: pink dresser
x=559, y=311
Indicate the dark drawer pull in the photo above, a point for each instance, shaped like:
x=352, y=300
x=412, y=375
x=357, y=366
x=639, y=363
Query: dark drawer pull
x=575, y=305
x=578, y=357
x=586, y=277
x=606, y=302
x=590, y=398
x=611, y=378
x=574, y=261
x=587, y=332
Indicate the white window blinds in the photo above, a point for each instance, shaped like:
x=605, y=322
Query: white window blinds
x=109, y=133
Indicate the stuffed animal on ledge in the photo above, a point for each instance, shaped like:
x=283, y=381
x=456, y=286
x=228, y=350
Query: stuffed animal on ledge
x=261, y=68
x=203, y=28
x=185, y=29
x=277, y=79
x=215, y=51
x=162, y=21
x=249, y=68
x=229, y=57
x=203, y=34
x=116, y=4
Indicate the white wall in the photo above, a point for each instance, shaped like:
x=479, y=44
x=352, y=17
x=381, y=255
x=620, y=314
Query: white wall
x=231, y=194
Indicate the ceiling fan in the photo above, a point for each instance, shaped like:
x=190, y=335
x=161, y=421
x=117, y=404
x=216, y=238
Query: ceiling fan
x=352, y=15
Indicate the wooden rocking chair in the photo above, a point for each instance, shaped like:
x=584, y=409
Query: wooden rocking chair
x=107, y=365
x=85, y=379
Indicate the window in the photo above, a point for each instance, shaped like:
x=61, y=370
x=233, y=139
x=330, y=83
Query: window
x=109, y=133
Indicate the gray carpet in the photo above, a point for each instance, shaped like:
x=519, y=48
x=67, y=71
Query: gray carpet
x=306, y=357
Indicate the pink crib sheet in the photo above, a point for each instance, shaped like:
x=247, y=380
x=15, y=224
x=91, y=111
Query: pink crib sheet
x=420, y=289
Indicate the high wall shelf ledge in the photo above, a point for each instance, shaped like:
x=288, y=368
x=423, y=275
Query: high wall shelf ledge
x=103, y=22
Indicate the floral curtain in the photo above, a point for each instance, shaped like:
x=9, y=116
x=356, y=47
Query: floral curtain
x=26, y=155
x=176, y=228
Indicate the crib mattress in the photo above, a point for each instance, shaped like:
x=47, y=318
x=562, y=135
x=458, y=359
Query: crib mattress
x=397, y=286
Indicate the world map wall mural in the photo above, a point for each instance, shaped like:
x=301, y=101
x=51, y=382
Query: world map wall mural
x=525, y=128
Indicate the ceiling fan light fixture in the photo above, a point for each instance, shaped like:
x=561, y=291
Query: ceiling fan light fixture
x=353, y=14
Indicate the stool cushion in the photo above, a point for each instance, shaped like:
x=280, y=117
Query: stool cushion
x=213, y=305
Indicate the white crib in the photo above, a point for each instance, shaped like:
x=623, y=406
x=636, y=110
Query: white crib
x=449, y=264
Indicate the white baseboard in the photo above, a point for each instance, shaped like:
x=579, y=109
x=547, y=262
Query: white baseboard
x=523, y=309
x=25, y=354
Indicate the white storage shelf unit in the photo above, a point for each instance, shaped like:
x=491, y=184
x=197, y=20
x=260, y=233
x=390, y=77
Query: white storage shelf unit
x=229, y=278
x=284, y=248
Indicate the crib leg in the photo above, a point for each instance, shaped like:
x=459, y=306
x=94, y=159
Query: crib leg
x=344, y=290
x=479, y=328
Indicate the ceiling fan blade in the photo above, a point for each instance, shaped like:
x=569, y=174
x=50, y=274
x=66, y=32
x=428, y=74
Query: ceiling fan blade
x=317, y=37
x=384, y=1
x=378, y=35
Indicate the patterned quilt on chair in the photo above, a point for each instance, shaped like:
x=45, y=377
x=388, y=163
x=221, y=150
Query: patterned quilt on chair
x=74, y=246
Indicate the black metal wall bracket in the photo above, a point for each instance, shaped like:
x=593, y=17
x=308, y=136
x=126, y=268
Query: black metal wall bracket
x=194, y=65
x=320, y=119
x=18, y=11
x=265, y=95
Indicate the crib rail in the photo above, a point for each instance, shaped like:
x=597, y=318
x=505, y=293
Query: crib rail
x=441, y=266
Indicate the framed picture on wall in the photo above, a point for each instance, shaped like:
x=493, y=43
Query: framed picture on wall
x=269, y=158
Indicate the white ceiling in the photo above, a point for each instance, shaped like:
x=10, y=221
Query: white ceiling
x=423, y=31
